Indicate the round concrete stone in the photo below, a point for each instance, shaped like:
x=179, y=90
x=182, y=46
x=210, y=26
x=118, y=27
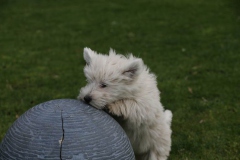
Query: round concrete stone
x=65, y=129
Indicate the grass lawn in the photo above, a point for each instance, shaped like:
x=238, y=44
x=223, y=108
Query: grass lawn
x=192, y=46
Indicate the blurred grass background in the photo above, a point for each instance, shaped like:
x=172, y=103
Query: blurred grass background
x=192, y=46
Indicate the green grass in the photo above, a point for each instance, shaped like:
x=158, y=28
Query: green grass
x=192, y=46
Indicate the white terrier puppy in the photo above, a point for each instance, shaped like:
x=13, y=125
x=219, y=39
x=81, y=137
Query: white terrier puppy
x=125, y=87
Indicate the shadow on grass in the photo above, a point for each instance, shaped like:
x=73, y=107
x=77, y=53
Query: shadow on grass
x=235, y=4
x=3, y=2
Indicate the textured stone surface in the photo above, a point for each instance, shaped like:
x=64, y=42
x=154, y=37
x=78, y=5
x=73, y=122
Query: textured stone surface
x=65, y=129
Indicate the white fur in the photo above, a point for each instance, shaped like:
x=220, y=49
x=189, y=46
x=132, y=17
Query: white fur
x=126, y=87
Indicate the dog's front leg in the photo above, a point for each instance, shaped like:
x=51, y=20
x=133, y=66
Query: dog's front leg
x=122, y=107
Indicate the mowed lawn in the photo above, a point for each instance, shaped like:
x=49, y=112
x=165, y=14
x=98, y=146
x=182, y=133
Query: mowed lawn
x=192, y=46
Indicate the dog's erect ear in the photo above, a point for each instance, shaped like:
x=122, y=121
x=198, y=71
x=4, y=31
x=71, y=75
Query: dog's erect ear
x=133, y=69
x=88, y=54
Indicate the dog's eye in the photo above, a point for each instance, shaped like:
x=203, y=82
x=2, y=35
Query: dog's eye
x=103, y=85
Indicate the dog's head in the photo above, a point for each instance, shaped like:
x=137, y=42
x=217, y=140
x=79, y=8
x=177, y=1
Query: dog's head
x=110, y=77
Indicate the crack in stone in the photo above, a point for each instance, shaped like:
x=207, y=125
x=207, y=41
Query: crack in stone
x=62, y=139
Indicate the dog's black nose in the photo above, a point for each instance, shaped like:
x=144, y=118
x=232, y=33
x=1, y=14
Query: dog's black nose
x=87, y=99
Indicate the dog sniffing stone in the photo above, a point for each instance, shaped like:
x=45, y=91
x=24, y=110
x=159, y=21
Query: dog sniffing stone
x=65, y=129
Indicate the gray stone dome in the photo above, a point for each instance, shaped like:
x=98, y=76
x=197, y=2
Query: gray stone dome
x=65, y=129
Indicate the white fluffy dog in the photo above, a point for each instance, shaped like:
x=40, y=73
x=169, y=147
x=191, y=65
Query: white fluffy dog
x=125, y=87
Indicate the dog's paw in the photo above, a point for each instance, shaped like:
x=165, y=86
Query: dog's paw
x=122, y=107
x=114, y=109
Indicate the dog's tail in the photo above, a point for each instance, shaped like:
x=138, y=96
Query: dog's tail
x=168, y=116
